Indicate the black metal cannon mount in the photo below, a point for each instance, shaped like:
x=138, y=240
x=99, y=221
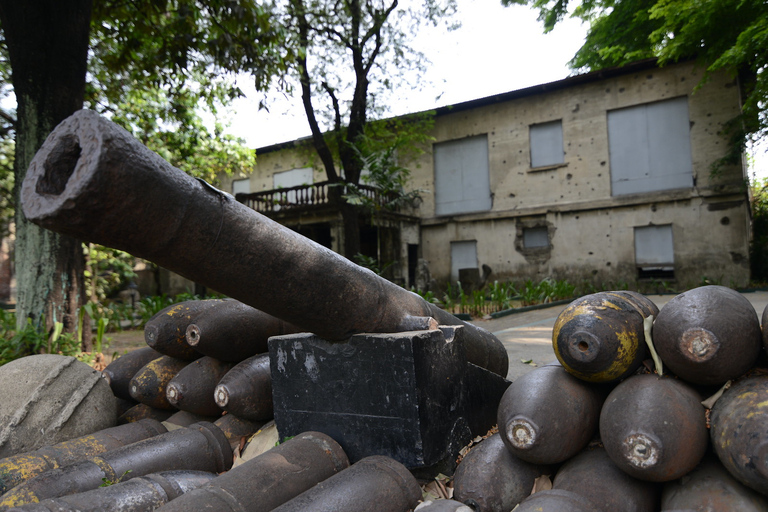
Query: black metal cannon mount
x=94, y=181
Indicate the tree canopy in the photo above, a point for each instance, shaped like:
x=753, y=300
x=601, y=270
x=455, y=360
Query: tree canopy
x=729, y=35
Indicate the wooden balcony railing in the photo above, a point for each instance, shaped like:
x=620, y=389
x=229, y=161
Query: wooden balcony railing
x=305, y=197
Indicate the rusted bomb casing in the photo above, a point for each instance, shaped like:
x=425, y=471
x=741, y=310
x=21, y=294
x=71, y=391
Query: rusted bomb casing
x=492, y=479
x=233, y=331
x=19, y=468
x=143, y=412
x=555, y=500
x=708, y=335
x=654, y=428
x=270, y=479
x=443, y=506
x=140, y=494
x=601, y=337
x=185, y=419
x=120, y=194
x=235, y=428
x=120, y=371
x=149, y=385
x=738, y=430
x=166, y=331
x=548, y=415
x=373, y=484
x=246, y=390
x=192, y=388
x=593, y=475
x=711, y=487
x=200, y=447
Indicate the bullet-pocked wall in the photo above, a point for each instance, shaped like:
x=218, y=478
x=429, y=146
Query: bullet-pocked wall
x=605, y=177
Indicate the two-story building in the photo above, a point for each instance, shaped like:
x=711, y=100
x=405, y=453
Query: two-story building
x=605, y=177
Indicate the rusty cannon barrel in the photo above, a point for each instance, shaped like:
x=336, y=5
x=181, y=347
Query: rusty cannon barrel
x=201, y=447
x=120, y=371
x=738, y=432
x=19, y=468
x=490, y=478
x=601, y=337
x=166, y=331
x=593, y=475
x=548, y=415
x=708, y=335
x=233, y=331
x=92, y=180
x=654, y=428
x=270, y=479
x=140, y=494
x=246, y=390
x=374, y=484
x=711, y=487
x=192, y=389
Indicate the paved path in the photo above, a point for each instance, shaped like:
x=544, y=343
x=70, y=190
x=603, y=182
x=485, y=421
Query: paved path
x=528, y=336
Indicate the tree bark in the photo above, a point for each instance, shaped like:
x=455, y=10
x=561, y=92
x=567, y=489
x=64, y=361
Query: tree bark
x=48, y=48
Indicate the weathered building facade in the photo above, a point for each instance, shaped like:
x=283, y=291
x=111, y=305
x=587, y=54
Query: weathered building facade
x=604, y=177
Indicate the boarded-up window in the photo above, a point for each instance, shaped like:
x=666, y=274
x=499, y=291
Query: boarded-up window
x=292, y=178
x=547, y=144
x=654, y=252
x=241, y=186
x=650, y=147
x=462, y=181
x=463, y=255
x=535, y=237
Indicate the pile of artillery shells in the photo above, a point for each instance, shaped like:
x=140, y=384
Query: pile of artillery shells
x=615, y=435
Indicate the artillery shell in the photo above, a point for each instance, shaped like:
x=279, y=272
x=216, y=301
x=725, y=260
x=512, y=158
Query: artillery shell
x=185, y=419
x=192, y=388
x=711, y=487
x=200, y=447
x=236, y=428
x=443, y=506
x=166, y=331
x=492, y=478
x=708, y=335
x=271, y=479
x=120, y=371
x=601, y=337
x=22, y=467
x=654, y=428
x=143, y=412
x=140, y=494
x=374, y=484
x=555, y=500
x=246, y=390
x=593, y=475
x=548, y=415
x=738, y=432
x=149, y=385
x=232, y=331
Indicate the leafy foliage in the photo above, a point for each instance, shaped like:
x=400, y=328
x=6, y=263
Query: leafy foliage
x=729, y=35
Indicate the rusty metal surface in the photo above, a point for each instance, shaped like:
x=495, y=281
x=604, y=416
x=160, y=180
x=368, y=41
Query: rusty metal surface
x=143, y=412
x=236, y=428
x=201, y=447
x=600, y=337
x=548, y=415
x=166, y=331
x=594, y=476
x=246, y=390
x=711, y=487
x=192, y=388
x=233, y=331
x=708, y=335
x=271, y=479
x=492, y=479
x=140, y=494
x=19, y=468
x=122, y=195
x=149, y=385
x=654, y=428
x=443, y=506
x=373, y=484
x=556, y=500
x=120, y=371
x=738, y=432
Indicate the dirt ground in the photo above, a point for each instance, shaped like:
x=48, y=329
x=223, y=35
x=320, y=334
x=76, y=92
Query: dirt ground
x=123, y=341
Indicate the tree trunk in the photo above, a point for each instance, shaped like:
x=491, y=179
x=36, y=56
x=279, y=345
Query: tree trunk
x=48, y=48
